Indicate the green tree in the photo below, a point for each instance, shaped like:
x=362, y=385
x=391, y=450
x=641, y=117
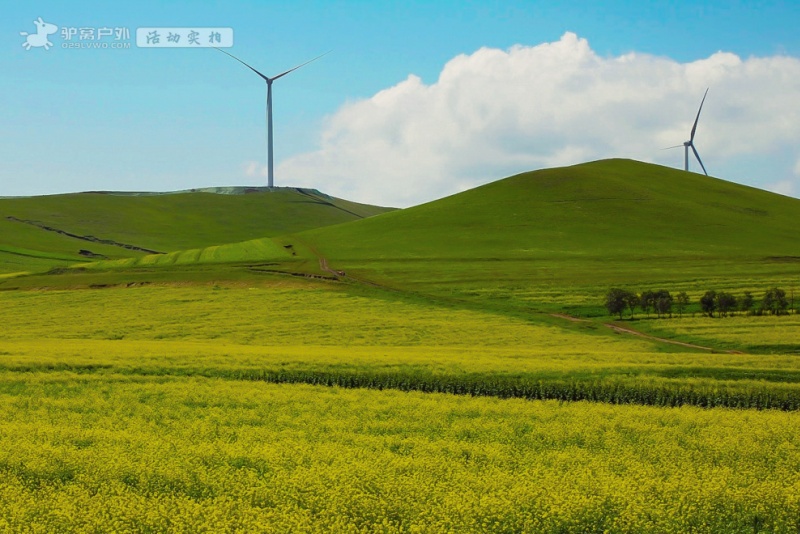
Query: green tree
x=616, y=301
x=747, y=302
x=725, y=303
x=775, y=301
x=681, y=301
x=632, y=300
x=662, y=302
x=708, y=302
x=646, y=301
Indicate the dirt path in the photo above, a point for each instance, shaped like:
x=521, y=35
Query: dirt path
x=323, y=265
x=623, y=330
x=569, y=318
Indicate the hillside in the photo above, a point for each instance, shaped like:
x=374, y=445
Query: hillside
x=39, y=232
x=609, y=209
x=559, y=238
x=550, y=239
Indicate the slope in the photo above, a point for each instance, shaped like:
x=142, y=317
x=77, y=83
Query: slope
x=610, y=208
x=538, y=234
x=40, y=232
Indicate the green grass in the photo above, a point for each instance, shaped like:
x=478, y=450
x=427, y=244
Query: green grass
x=164, y=223
x=618, y=210
x=557, y=239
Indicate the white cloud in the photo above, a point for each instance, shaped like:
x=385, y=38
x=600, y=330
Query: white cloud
x=790, y=186
x=784, y=187
x=254, y=169
x=493, y=113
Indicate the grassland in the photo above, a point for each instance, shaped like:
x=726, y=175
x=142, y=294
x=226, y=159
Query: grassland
x=557, y=239
x=614, y=210
x=162, y=223
x=186, y=394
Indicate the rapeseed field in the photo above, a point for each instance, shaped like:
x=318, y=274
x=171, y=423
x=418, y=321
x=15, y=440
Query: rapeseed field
x=308, y=407
x=155, y=454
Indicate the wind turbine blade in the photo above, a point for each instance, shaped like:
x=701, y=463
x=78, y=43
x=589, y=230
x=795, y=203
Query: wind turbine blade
x=691, y=138
x=243, y=63
x=301, y=65
x=698, y=159
x=671, y=147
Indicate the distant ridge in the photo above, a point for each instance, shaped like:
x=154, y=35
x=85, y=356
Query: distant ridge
x=42, y=232
x=221, y=190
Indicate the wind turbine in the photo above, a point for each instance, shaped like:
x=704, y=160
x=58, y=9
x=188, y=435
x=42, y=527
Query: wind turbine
x=690, y=142
x=270, y=174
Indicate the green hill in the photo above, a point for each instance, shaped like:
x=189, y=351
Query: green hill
x=37, y=233
x=549, y=239
x=610, y=222
x=609, y=208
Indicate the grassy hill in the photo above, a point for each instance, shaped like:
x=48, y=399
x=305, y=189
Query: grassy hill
x=549, y=240
x=538, y=234
x=610, y=208
x=40, y=232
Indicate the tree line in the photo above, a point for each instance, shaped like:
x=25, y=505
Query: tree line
x=662, y=303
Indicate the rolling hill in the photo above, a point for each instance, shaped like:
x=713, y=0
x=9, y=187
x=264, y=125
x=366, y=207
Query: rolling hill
x=549, y=239
x=559, y=238
x=37, y=233
x=606, y=209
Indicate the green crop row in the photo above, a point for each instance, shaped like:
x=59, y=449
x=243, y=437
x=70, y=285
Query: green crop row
x=652, y=393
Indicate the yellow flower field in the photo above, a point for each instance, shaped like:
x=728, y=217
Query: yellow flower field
x=113, y=453
x=149, y=409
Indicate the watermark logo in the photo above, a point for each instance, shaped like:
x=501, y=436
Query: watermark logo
x=184, y=37
x=89, y=37
x=79, y=37
x=39, y=39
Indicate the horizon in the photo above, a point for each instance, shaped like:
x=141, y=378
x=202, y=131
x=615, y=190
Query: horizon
x=220, y=190
x=488, y=93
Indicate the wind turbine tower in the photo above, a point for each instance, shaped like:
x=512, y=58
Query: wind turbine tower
x=690, y=143
x=270, y=172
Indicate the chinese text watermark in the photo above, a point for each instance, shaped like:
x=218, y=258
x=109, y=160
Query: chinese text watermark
x=102, y=37
x=184, y=37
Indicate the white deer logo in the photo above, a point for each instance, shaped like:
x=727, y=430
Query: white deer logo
x=43, y=29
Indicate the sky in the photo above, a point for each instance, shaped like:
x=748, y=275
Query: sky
x=414, y=102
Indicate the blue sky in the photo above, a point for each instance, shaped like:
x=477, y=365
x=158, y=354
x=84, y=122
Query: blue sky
x=156, y=119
